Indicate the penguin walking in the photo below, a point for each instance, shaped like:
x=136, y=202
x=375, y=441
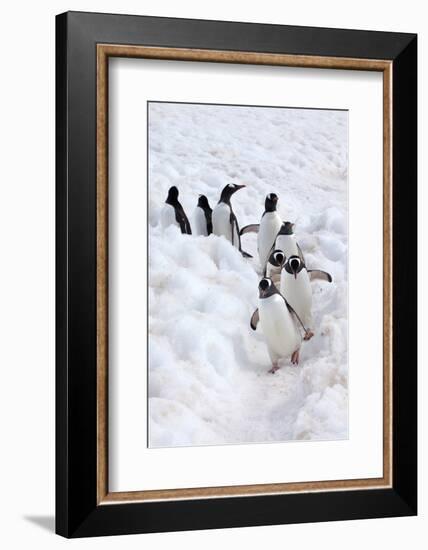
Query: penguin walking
x=297, y=290
x=202, y=217
x=280, y=324
x=173, y=213
x=286, y=241
x=266, y=230
x=224, y=220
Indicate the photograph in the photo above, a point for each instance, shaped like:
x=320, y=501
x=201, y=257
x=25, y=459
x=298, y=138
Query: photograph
x=247, y=274
x=213, y=261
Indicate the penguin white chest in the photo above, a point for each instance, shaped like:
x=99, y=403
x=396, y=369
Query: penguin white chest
x=222, y=224
x=288, y=244
x=279, y=328
x=298, y=293
x=270, y=224
x=199, y=224
x=167, y=216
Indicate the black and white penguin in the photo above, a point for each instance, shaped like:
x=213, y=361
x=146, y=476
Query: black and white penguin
x=280, y=324
x=202, y=217
x=270, y=224
x=224, y=219
x=173, y=213
x=274, y=265
x=266, y=230
x=286, y=241
x=296, y=287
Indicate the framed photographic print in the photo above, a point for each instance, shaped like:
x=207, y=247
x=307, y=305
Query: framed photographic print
x=236, y=274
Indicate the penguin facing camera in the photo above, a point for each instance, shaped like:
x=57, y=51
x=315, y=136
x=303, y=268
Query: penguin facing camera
x=280, y=324
x=286, y=241
x=274, y=264
x=296, y=287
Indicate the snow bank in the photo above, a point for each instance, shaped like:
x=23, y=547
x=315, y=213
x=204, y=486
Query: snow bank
x=208, y=380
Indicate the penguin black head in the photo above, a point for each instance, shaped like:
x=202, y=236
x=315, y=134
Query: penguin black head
x=277, y=258
x=228, y=191
x=266, y=288
x=294, y=265
x=172, y=195
x=271, y=202
x=203, y=202
x=287, y=228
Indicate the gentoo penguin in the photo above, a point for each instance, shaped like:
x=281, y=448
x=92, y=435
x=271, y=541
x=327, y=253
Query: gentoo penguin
x=280, y=324
x=202, y=217
x=286, y=241
x=296, y=287
x=274, y=265
x=224, y=219
x=270, y=224
x=172, y=212
x=267, y=230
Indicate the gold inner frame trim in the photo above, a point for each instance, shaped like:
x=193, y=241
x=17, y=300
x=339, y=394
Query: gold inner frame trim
x=104, y=51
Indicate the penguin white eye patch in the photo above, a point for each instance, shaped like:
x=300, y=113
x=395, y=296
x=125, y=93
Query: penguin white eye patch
x=265, y=283
x=277, y=258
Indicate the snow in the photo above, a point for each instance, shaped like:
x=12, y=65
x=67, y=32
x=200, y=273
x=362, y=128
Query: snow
x=208, y=371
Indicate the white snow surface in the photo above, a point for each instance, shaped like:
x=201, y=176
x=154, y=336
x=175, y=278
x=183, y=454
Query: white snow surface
x=208, y=371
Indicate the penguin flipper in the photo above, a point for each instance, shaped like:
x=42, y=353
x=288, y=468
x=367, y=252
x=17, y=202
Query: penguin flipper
x=315, y=274
x=182, y=220
x=208, y=217
x=235, y=227
x=293, y=312
x=188, y=229
x=252, y=228
x=254, y=319
x=300, y=253
x=182, y=225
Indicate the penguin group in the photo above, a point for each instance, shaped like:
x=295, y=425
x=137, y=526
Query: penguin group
x=284, y=309
x=221, y=221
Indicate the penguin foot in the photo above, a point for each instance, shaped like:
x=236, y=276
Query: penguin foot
x=295, y=357
x=308, y=335
x=274, y=368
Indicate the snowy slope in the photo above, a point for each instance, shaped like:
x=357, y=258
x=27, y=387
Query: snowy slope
x=208, y=380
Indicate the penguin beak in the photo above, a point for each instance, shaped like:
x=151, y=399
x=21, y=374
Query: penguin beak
x=240, y=187
x=294, y=267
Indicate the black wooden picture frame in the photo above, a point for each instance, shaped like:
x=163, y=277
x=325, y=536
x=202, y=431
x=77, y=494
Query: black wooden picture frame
x=79, y=511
